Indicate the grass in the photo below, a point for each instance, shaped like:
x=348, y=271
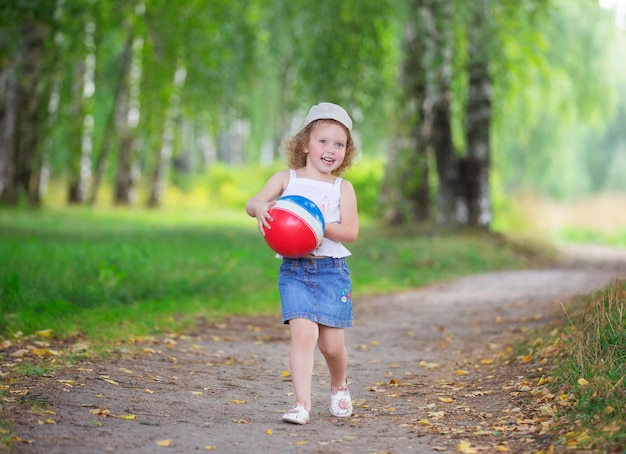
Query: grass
x=598, y=218
x=584, y=378
x=584, y=235
x=105, y=274
x=592, y=367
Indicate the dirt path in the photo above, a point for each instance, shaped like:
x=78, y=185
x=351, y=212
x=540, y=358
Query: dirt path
x=425, y=370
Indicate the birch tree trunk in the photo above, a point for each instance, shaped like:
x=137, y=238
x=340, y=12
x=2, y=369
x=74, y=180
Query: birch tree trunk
x=117, y=112
x=8, y=134
x=451, y=210
x=83, y=92
x=22, y=113
x=478, y=118
x=405, y=192
x=164, y=155
x=127, y=167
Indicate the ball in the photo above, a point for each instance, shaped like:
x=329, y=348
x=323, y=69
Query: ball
x=297, y=227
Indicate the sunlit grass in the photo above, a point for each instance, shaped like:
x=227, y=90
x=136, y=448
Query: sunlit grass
x=598, y=219
x=617, y=237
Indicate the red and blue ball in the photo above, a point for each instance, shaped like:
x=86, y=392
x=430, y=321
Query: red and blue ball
x=297, y=227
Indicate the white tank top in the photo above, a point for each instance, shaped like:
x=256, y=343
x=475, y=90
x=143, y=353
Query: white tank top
x=326, y=196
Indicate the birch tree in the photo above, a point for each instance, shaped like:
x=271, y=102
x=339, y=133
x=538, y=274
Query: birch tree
x=164, y=154
x=83, y=88
x=406, y=190
x=24, y=31
x=129, y=114
x=476, y=164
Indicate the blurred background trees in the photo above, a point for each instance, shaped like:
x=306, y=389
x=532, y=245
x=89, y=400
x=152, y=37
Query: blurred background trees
x=458, y=101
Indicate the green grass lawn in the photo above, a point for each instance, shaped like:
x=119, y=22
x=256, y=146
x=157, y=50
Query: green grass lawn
x=109, y=273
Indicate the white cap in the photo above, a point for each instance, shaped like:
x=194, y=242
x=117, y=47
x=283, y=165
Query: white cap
x=328, y=111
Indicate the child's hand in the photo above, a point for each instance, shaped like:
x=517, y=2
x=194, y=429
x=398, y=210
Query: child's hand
x=263, y=216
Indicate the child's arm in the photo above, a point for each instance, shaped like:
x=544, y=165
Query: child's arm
x=347, y=230
x=259, y=205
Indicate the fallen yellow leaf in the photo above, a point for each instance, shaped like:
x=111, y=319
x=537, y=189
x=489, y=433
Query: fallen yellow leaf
x=269, y=432
x=461, y=372
x=466, y=447
x=128, y=417
x=165, y=443
x=487, y=361
x=582, y=382
x=210, y=448
x=19, y=392
x=21, y=440
x=429, y=365
x=5, y=344
x=44, y=332
x=237, y=401
x=446, y=400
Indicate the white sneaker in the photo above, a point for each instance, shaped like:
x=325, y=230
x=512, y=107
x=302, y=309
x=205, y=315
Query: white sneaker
x=297, y=415
x=341, y=403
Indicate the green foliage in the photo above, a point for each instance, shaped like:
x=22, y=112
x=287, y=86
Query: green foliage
x=223, y=186
x=113, y=274
x=560, y=87
x=557, y=78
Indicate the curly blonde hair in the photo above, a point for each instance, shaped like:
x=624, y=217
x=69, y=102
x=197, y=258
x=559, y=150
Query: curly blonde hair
x=293, y=148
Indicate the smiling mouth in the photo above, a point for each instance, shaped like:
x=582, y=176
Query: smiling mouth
x=328, y=160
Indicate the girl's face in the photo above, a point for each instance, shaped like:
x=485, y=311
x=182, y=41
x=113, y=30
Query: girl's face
x=327, y=146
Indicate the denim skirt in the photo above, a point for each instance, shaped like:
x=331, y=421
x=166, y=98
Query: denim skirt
x=318, y=289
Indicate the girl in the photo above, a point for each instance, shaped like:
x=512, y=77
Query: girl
x=316, y=289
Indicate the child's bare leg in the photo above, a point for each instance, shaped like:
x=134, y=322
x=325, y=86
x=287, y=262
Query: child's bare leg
x=304, y=335
x=331, y=343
